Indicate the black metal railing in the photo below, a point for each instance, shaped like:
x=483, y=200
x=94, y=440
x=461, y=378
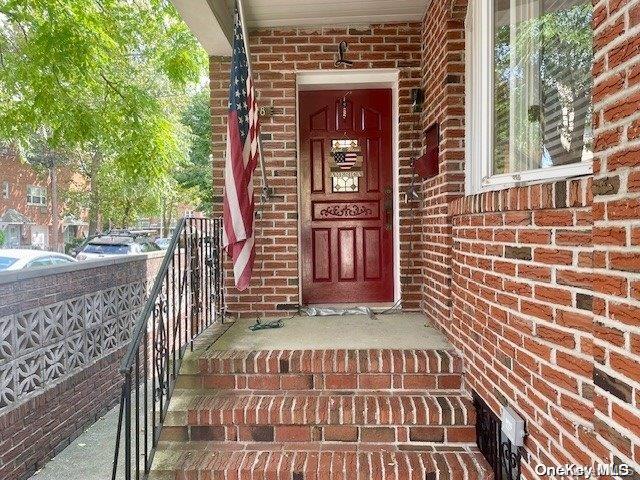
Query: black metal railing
x=187, y=296
x=499, y=452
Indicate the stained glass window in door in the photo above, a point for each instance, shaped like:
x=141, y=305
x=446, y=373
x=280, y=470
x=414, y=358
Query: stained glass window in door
x=345, y=184
x=346, y=166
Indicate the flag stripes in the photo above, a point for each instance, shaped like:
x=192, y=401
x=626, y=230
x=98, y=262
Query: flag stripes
x=241, y=159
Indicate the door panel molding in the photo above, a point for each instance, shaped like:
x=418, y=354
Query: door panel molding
x=354, y=210
x=347, y=256
x=320, y=242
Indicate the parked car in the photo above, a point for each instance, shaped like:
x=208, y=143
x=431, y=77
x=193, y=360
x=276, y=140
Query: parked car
x=101, y=247
x=116, y=244
x=19, y=259
x=163, y=242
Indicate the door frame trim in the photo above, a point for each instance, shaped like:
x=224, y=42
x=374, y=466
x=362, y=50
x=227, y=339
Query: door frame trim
x=357, y=79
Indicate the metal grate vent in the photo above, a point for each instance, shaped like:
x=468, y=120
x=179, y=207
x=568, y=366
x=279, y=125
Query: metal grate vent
x=497, y=449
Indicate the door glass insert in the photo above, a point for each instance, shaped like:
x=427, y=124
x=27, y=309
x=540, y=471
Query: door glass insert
x=346, y=166
x=345, y=184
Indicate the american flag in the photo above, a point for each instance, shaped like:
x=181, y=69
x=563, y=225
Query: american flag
x=345, y=160
x=243, y=130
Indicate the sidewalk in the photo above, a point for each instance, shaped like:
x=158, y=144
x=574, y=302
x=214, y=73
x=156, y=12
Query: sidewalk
x=88, y=457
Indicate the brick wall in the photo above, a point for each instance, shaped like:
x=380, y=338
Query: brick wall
x=63, y=332
x=521, y=314
x=44, y=425
x=616, y=236
x=277, y=54
x=544, y=298
x=443, y=83
x=537, y=286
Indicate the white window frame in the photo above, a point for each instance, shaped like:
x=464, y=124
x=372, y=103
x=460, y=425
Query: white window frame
x=42, y=195
x=479, y=113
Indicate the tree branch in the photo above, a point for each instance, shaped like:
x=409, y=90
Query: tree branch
x=112, y=86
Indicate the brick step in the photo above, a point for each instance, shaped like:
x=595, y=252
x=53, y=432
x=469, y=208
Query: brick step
x=329, y=409
x=306, y=417
x=310, y=462
x=246, y=434
x=321, y=381
x=329, y=361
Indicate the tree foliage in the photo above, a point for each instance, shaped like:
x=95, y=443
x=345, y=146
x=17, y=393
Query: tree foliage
x=106, y=79
x=195, y=174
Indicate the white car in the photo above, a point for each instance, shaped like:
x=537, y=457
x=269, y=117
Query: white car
x=19, y=259
x=108, y=245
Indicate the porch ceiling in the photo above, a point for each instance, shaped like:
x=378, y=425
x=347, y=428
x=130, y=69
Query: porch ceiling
x=212, y=20
x=277, y=13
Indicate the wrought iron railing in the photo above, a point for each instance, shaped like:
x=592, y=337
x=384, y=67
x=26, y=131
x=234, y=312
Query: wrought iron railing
x=187, y=296
x=503, y=457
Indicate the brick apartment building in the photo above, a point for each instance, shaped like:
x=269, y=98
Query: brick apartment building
x=25, y=205
x=533, y=273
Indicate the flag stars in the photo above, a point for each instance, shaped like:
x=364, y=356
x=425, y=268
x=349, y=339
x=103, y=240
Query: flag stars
x=239, y=102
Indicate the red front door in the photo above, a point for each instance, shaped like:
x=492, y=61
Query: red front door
x=346, y=196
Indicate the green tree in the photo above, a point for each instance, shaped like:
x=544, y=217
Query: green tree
x=174, y=196
x=123, y=198
x=47, y=162
x=195, y=173
x=103, y=77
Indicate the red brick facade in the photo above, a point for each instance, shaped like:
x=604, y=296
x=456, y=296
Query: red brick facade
x=616, y=228
x=277, y=55
x=16, y=177
x=544, y=280
x=521, y=295
x=537, y=286
x=443, y=83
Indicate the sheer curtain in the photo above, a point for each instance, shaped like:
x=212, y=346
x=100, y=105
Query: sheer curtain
x=524, y=131
x=542, y=84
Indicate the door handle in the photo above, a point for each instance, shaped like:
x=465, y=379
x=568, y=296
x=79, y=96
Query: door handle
x=388, y=207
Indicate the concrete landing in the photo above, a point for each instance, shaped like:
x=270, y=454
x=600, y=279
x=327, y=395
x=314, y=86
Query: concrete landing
x=394, y=330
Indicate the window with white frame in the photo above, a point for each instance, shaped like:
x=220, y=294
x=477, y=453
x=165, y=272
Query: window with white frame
x=528, y=91
x=36, y=195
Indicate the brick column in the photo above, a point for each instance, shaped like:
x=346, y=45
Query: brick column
x=443, y=82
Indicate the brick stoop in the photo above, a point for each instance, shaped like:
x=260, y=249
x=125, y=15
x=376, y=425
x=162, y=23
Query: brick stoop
x=320, y=414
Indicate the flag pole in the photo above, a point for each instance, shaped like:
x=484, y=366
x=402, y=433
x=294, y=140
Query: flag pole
x=266, y=192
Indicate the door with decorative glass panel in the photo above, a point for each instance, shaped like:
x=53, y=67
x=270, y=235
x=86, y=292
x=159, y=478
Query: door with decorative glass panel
x=346, y=201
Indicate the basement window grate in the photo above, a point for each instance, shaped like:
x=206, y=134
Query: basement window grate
x=496, y=448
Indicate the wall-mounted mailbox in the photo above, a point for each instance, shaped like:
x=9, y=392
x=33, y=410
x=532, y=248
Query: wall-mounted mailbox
x=427, y=165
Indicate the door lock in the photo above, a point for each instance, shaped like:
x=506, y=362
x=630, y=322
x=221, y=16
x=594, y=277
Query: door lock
x=388, y=207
